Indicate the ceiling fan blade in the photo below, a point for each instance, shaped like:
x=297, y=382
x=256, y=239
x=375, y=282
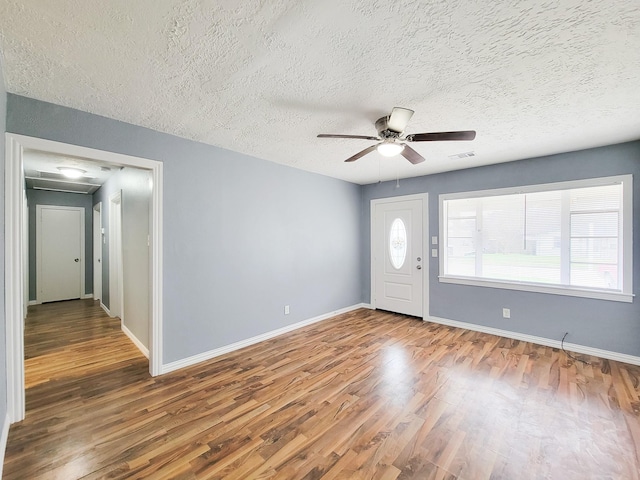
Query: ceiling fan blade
x=440, y=136
x=333, y=135
x=361, y=154
x=411, y=155
x=399, y=119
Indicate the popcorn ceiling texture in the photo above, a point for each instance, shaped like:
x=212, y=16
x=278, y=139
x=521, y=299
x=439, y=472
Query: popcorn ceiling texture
x=265, y=77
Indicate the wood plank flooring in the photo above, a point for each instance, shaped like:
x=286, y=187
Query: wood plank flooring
x=365, y=395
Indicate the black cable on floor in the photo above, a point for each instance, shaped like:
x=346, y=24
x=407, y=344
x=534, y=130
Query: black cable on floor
x=568, y=354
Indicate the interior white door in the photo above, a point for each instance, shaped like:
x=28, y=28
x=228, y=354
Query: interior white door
x=116, y=296
x=397, y=255
x=60, y=259
x=97, y=251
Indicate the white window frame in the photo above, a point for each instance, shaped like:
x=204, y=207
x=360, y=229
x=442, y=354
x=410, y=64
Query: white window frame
x=626, y=295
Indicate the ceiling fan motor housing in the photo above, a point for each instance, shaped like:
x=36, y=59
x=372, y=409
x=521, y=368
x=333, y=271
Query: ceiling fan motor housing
x=383, y=129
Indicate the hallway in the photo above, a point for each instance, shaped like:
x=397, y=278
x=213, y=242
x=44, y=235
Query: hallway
x=69, y=341
x=73, y=352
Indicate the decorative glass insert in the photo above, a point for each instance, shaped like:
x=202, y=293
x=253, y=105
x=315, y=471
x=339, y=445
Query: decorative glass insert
x=398, y=243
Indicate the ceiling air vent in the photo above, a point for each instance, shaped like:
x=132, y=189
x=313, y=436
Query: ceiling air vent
x=462, y=155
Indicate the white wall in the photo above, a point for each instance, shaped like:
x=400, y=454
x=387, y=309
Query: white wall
x=136, y=199
x=242, y=237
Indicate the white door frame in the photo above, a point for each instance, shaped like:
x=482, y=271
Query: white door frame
x=25, y=243
x=116, y=274
x=14, y=255
x=424, y=197
x=97, y=251
x=39, y=240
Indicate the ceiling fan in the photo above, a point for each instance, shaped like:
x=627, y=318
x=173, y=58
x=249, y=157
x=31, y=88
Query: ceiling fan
x=391, y=139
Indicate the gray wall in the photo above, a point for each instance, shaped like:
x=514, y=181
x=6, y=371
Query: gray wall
x=135, y=205
x=44, y=197
x=601, y=324
x=242, y=237
x=3, y=366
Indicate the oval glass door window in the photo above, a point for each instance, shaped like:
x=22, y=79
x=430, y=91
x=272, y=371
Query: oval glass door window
x=397, y=243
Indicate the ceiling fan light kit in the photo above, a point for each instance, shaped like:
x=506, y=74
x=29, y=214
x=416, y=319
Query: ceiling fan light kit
x=389, y=149
x=392, y=142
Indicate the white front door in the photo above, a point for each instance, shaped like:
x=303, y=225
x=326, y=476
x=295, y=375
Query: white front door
x=60, y=256
x=398, y=263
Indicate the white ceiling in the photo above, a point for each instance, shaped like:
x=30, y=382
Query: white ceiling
x=265, y=77
x=42, y=172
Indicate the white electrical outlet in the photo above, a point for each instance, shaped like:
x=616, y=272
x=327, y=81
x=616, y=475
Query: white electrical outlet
x=506, y=313
x=434, y=252
x=434, y=240
x=286, y=309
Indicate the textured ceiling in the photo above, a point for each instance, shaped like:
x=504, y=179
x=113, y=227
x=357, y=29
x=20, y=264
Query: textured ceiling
x=265, y=77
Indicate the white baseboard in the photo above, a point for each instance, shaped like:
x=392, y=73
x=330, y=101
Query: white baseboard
x=572, y=347
x=134, y=339
x=84, y=297
x=4, y=436
x=102, y=305
x=201, y=357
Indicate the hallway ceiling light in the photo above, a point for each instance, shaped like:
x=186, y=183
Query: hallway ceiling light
x=71, y=172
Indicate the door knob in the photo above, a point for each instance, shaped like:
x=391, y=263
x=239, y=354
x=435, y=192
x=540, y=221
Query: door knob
x=76, y=260
x=419, y=267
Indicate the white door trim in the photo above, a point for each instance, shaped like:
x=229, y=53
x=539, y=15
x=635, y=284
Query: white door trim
x=116, y=274
x=14, y=260
x=39, y=239
x=424, y=197
x=14, y=277
x=97, y=251
x=25, y=246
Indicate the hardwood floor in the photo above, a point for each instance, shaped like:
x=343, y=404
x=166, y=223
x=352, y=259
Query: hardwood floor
x=366, y=395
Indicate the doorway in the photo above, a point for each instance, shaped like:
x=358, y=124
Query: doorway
x=97, y=251
x=116, y=284
x=399, y=269
x=60, y=253
x=15, y=254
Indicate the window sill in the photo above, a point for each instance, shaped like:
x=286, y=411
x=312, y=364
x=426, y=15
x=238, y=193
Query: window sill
x=538, y=288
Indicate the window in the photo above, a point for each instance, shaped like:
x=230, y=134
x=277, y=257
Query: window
x=571, y=238
x=397, y=243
